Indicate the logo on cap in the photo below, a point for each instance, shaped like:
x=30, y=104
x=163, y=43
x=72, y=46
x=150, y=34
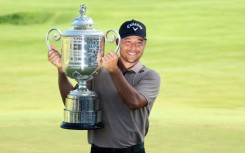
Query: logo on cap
x=134, y=26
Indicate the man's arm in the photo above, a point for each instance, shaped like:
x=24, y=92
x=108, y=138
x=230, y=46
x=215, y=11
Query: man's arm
x=64, y=84
x=129, y=94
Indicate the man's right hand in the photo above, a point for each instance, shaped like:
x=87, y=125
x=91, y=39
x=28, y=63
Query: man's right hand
x=54, y=57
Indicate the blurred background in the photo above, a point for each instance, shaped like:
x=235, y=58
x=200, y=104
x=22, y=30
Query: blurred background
x=197, y=46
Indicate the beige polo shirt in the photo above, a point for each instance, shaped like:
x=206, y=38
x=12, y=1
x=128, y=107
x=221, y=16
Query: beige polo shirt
x=124, y=127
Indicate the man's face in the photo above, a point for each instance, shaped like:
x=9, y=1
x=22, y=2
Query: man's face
x=132, y=48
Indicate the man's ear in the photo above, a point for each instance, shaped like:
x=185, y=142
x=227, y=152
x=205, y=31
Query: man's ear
x=117, y=41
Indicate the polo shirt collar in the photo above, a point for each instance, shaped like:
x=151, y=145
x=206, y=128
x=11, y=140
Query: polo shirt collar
x=136, y=68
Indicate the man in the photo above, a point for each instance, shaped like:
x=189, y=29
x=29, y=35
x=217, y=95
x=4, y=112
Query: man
x=127, y=92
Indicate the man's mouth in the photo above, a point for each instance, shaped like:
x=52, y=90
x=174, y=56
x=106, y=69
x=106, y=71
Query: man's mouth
x=132, y=53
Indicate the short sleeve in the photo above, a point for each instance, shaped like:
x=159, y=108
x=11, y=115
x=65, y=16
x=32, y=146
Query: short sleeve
x=149, y=85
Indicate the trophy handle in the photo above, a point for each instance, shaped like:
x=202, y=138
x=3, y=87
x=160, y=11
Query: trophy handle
x=54, y=36
x=113, y=38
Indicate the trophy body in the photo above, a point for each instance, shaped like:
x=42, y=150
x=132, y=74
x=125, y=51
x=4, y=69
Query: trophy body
x=81, y=50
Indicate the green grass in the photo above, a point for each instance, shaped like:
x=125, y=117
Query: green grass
x=197, y=47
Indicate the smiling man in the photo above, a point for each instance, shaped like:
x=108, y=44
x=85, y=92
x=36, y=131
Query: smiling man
x=127, y=90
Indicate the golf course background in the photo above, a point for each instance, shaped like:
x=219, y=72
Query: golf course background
x=197, y=46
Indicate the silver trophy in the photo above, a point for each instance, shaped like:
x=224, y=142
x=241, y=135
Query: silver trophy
x=81, y=50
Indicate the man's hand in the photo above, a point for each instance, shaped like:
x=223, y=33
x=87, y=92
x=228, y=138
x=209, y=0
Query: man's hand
x=54, y=57
x=109, y=61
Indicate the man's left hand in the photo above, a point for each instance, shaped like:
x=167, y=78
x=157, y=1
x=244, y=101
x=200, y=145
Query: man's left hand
x=109, y=61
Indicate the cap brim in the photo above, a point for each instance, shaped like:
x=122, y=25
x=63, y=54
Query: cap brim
x=127, y=35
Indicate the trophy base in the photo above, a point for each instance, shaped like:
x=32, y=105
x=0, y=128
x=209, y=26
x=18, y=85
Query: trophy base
x=81, y=126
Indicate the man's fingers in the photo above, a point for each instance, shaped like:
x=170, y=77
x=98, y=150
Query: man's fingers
x=52, y=53
x=52, y=47
x=54, y=57
x=110, y=56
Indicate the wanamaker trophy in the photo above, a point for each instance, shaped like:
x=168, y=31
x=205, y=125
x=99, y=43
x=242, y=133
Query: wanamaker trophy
x=80, y=50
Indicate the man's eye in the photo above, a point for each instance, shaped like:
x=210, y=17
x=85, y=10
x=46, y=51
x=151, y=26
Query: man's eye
x=139, y=43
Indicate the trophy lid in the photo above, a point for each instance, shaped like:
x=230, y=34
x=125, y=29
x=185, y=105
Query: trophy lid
x=83, y=25
x=82, y=22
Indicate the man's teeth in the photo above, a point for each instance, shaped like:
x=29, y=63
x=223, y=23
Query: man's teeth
x=131, y=53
